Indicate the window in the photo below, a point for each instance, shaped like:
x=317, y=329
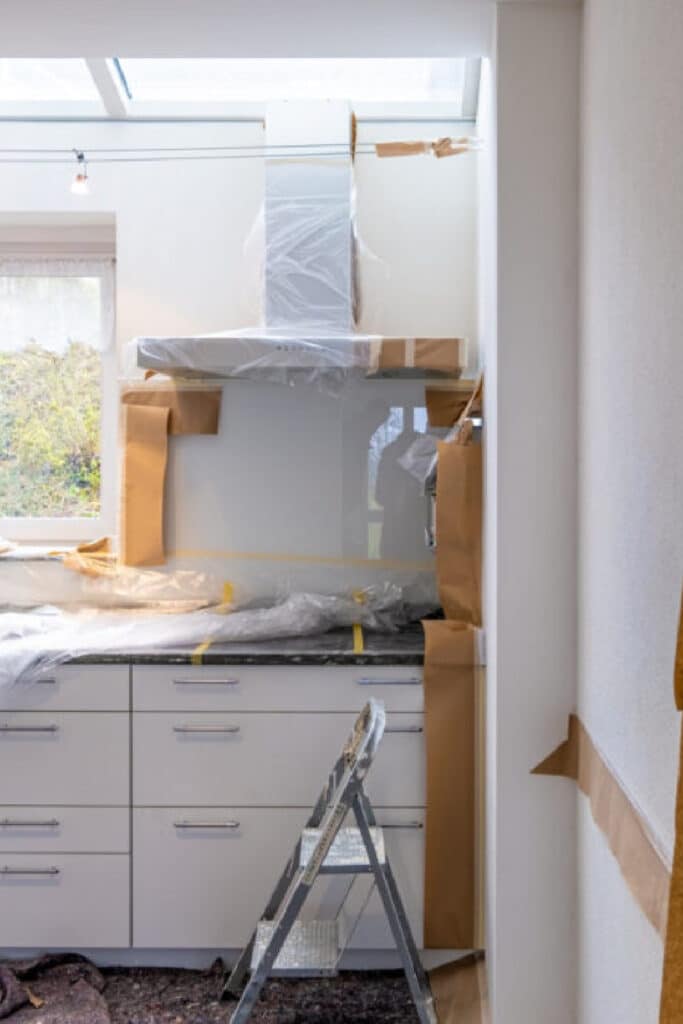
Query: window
x=56, y=370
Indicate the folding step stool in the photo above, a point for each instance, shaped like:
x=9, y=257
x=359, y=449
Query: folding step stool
x=284, y=946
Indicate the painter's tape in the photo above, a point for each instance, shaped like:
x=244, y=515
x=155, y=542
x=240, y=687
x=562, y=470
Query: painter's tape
x=358, y=641
x=197, y=656
x=641, y=864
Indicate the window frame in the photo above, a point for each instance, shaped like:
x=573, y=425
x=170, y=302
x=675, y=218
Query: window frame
x=41, y=530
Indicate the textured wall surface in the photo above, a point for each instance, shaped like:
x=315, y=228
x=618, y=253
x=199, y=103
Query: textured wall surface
x=631, y=465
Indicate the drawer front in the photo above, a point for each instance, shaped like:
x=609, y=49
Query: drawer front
x=64, y=758
x=72, y=688
x=64, y=830
x=275, y=688
x=64, y=900
x=265, y=759
x=201, y=879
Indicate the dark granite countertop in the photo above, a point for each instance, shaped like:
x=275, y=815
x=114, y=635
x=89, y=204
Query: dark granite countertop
x=335, y=648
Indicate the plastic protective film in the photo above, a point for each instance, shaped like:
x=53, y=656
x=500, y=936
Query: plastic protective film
x=33, y=643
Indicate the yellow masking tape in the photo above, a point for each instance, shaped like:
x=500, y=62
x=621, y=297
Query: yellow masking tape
x=358, y=643
x=199, y=651
x=262, y=556
x=228, y=592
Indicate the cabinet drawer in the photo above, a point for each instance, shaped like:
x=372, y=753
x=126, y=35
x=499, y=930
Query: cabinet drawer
x=275, y=688
x=64, y=830
x=265, y=759
x=201, y=879
x=72, y=688
x=60, y=758
x=64, y=900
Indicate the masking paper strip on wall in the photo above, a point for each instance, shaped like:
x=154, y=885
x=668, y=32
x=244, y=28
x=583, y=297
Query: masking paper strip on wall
x=192, y=411
x=461, y=992
x=451, y=734
x=145, y=432
x=641, y=864
x=444, y=407
x=446, y=356
x=459, y=519
x=671, y=1009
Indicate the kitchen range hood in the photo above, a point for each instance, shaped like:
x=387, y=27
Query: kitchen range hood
x=310, y=294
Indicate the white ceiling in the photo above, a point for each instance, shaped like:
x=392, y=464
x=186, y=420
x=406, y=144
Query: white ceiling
x=246, y=28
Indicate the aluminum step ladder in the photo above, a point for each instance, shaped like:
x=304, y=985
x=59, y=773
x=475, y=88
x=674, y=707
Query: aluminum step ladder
x=285, y=946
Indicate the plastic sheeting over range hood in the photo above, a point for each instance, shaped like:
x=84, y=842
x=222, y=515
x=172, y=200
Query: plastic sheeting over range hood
x=309, y=274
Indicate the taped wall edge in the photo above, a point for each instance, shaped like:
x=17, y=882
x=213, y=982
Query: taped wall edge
x=454, y=695
x=641, y=864
x=671, y=1008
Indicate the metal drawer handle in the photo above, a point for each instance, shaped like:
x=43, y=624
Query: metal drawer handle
x=206, y=728
x=206, y=682
x=206, y=824
x=16, y=823
x=404, y=728
x=413, y=681
x=402, y=824
x=4, y=728
x=28, y=871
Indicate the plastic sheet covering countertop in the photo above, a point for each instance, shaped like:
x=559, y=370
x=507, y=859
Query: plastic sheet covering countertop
x=34, y=642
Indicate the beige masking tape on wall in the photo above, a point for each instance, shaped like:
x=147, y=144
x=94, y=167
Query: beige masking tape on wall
x=459, y=518
x=148, y=411
x=671, y=1009
x=191, y=411
x=450, y=717
x=641, y=864
x=145, y=432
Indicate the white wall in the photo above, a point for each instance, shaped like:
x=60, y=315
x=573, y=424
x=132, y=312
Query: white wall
x=282, y=476
x=631, y=480
x=531, y=484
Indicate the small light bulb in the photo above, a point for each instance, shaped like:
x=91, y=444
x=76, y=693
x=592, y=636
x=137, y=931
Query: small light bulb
x=80, y=185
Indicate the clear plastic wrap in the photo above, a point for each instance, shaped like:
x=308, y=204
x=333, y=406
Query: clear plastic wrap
x=43, y=580
x=35, y=643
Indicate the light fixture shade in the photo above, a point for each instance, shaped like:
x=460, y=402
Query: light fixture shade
x=80, y=185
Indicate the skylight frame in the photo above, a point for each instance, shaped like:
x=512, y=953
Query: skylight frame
x=115, y=103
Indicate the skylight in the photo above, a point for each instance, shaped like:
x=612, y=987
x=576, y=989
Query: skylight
x=359, y=79
x=30, y=80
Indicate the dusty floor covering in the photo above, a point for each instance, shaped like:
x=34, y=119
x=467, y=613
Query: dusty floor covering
x=77, y=993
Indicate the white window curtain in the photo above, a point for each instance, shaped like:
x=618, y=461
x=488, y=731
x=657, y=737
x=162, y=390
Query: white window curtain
x=36, y=305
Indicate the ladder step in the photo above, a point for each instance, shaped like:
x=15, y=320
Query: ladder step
x=311, y=949
x=347, y=854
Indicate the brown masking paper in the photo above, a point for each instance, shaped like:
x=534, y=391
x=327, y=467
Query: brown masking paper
x=671, y=1008
x=450, y=722
x=191, y=411
x=641, y=865
x=460, y=991
x=145, y=430
x=432, y=355
x=459, y=522
x=444, y=407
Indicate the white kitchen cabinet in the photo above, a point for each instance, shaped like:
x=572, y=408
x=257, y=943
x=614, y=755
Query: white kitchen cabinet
x=301, y=688
x=64, y=758
x=180, y=790
x=265, y=759
x=64, y=900
x=71, y=688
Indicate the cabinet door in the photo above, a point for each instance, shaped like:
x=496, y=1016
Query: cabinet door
x=275, y=687
x=266, y=759
x=72, y=688
x=56, y=758
x=67, y=901
x=202, y=877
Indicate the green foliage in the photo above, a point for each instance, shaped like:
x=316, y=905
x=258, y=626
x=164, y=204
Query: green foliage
x=50, y=431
